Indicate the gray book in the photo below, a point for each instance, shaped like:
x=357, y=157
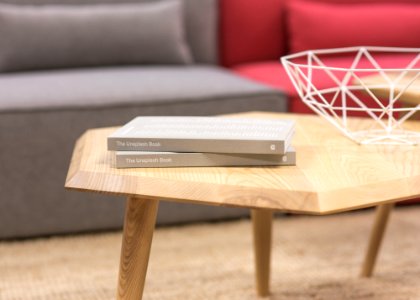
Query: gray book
x=143, y=159
x=203, y=134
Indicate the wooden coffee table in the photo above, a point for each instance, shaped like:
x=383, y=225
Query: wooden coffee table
x=333, y=174
x=410, y=97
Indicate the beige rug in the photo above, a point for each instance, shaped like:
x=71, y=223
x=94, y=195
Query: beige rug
x=313, y=258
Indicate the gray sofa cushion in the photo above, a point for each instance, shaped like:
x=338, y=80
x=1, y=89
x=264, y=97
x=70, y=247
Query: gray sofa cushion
x=200, y=20
x=101, y=87
x=57, y=36
x=37, y=147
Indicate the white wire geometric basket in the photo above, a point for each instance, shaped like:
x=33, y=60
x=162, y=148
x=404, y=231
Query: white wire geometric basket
x=370, y=84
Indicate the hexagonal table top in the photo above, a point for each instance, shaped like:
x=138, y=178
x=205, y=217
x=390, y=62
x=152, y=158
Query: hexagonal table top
x=332, y=173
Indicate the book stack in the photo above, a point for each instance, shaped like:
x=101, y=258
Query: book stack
x=203, y=142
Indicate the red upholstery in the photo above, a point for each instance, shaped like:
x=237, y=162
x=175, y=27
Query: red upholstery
x=273, y=74
x=352, y=24
x=251, y=30
x=255, y=30
x=253, y=36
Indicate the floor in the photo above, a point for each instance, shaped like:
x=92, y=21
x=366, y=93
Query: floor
x=313, y=258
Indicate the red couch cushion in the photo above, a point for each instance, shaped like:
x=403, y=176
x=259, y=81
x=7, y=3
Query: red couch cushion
x=315, y=25
x=251, y=30
x=272, y=73
x=255, y=30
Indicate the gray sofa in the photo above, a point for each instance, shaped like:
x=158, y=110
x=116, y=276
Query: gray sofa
x=42, y=112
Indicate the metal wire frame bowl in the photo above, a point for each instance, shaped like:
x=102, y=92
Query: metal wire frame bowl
x=366, y=87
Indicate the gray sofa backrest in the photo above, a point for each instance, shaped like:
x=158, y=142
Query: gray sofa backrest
x=200, y=21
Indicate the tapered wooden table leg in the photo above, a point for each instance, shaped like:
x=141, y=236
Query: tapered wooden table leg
x=139, y=224
x=376, y=236
x=262, y=220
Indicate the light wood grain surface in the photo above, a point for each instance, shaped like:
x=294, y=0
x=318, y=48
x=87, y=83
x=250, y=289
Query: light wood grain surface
x=410, y=96
x=262, y=223
x=332, y=173
x=139, y=224
x=378, y=231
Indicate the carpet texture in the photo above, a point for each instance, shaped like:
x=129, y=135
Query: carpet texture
x=313, y=258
